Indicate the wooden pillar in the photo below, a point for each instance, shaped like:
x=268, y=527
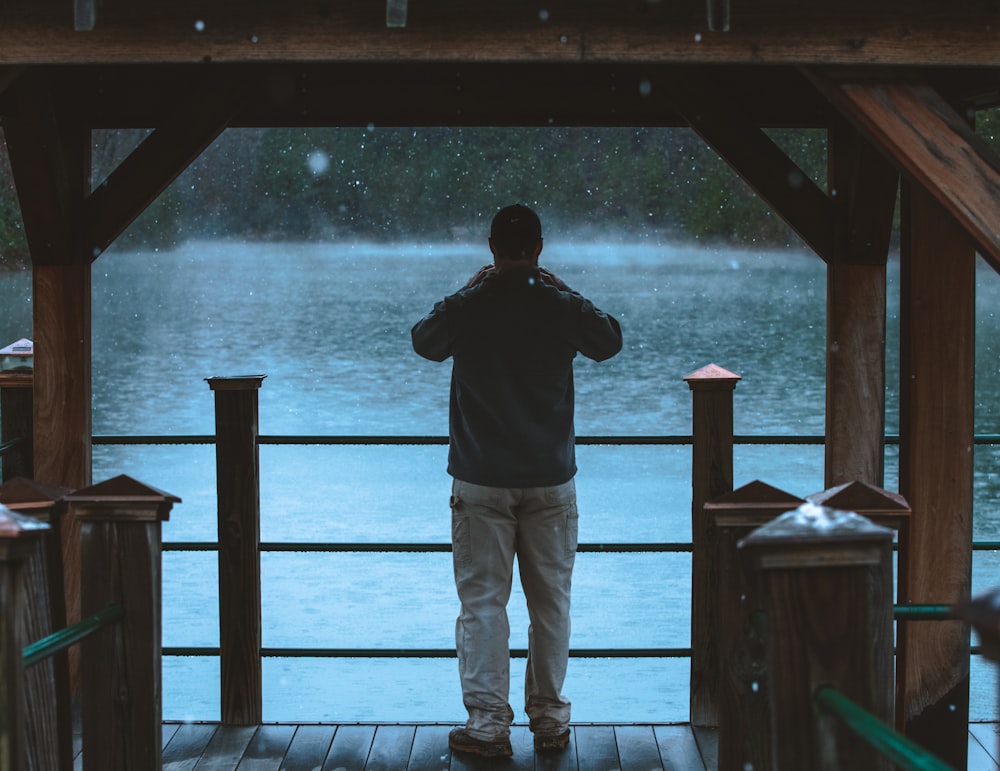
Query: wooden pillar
x=712, y=475
x=120, y=523
x=863, y=186
x=49, y=716
x=238, y=482
x=50, y=162
x=936, y=427
x=16, y=424
x=744, y=717
x=828, y=609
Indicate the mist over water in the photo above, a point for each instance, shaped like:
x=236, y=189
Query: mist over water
x=329, y=325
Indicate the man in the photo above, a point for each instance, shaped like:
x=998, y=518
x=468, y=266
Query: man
x=512, y=333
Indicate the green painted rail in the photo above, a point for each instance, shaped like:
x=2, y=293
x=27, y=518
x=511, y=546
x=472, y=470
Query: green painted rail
x=903, y=752
x=64, y=638
x=923, y=612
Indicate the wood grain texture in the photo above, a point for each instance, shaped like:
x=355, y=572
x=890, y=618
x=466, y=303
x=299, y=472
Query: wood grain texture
x=933, y=145
x=238, y=483
x=712, y=475
x=187, y=745
x=936, y=426
x=760, y=33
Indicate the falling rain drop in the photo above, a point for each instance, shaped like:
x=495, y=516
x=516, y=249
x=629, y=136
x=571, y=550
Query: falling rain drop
x=199, y=25
x=645, y=87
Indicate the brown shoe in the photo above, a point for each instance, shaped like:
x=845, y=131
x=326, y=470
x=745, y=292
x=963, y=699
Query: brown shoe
x=460, y=741
x=552, y=742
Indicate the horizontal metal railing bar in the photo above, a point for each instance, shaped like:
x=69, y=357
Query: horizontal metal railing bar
x=902, y=751
x=64, y=638
x=10, y=444
x=430, y=548
x=923, y=612
x=421, y=548
x=429, y=653
x=440, y=653
x=396, y=439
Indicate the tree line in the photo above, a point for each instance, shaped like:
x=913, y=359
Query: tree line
x=394, y=183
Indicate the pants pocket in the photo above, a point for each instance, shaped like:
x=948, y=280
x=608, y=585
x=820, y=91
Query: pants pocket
x=461, y=547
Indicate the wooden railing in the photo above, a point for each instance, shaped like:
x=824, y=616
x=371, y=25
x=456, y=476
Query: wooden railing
x=728, y=652
x=119, y=634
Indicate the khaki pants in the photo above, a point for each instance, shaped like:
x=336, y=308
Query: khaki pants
x=489, y=526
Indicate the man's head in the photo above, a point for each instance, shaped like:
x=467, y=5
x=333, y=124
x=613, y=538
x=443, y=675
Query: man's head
x=516, y=235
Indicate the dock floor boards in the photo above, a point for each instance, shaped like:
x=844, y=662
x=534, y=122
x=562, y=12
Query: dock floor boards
x=424, y=747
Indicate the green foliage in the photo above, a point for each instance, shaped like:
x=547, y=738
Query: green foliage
x=13, y=247
x=442, y=183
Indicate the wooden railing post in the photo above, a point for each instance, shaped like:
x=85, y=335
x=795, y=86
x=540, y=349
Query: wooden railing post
x=889, y=510
x=828, y=614
x=49, y=717
x=742, y=697
x=120, y=544
x=17, y=543
x=238, y=472
x=711, y=476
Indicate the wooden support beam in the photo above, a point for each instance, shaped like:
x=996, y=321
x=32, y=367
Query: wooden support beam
x=46, y=189
x=705, y=103
x=9, y=76
x=863, y=187
x=159, y=160
x=936, y=420
x=933, y=145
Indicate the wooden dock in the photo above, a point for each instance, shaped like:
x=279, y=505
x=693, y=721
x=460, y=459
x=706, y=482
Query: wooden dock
x=424, y=747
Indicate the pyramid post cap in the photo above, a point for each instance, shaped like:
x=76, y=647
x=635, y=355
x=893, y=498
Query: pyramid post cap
x=712, y=376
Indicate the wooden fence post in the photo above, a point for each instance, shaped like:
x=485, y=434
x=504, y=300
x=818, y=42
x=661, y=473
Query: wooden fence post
x=49, y=717
x=742, y=698
x=120, y=543
x=18, y=536
x=711, y=476
x=889, y=510
x=238, y=472
x=828, y=611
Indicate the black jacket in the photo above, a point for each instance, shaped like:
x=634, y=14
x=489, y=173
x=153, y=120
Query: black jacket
x=513, y=339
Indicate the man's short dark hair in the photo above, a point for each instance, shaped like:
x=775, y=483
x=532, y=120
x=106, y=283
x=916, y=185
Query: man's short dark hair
x=516, y=230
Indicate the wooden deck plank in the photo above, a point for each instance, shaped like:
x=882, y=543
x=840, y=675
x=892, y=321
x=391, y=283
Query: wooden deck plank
x=595, y=748
x=430, y=750
x=267, y=749
x=416, y=747
x=392, y=743
x=226, y=748
x=983, y=753
x=309, y=747
x=678, y=747
x=187, y=746
x=351, y=747
x=708, y=745
x=637, y=748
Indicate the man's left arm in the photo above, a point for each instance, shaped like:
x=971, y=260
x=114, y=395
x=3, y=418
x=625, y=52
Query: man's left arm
x=599, y=335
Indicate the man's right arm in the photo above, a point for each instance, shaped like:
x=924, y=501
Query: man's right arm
x=431, y=335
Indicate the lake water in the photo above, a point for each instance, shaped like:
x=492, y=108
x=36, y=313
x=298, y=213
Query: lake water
x=329, y=326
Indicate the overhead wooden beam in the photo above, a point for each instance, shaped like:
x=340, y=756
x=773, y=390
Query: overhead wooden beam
x=933, y=145
x=887, y=32
x=159, y=160
x=38, y=159
x=9, y=76
x=706, y=104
